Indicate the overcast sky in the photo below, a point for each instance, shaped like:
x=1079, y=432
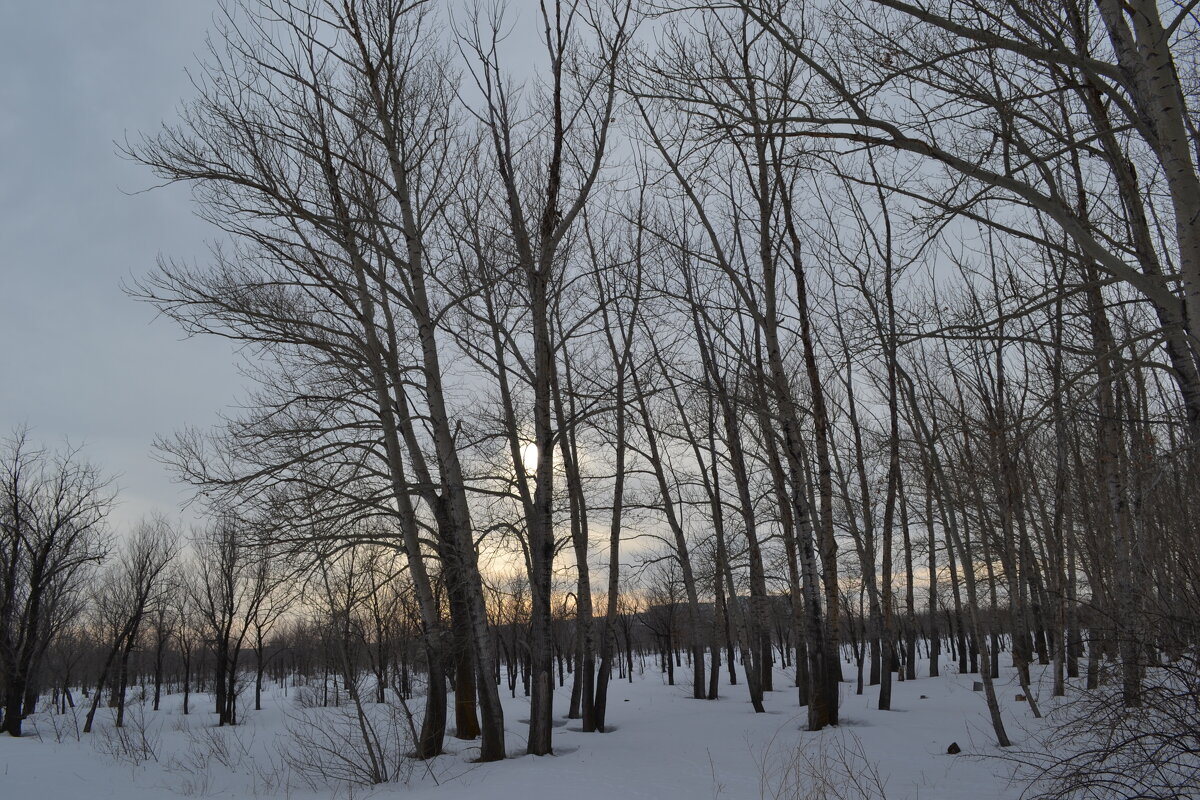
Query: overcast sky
x=79, y=359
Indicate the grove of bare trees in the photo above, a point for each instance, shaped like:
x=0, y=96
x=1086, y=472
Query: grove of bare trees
x=801, y=341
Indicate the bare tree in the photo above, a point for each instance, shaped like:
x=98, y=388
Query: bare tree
x=130, y=589
x=542, y=199
x=53, y=512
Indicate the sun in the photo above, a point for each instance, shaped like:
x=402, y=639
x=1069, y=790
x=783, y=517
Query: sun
x=529, y=457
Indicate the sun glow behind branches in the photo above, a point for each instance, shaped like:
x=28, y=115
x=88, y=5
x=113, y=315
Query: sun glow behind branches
x=529, y=457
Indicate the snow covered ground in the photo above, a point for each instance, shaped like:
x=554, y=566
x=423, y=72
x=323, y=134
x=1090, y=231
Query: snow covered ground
x=662, y=745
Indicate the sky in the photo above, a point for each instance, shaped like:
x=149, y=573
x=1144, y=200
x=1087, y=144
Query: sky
x=79, y=360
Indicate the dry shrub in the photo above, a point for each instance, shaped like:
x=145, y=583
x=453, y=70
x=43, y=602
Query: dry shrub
x=65, y=725
x=228, y=748
x=134, y=742
x=827, y=766
x=358, y=743
x=1095, y=748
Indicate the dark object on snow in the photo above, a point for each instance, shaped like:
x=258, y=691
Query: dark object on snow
x=953, y=749
x=923, y=697
x=1020, y=698
x=977, y=687
x=626, y=699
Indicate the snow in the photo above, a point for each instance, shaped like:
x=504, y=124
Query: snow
x=662, y=744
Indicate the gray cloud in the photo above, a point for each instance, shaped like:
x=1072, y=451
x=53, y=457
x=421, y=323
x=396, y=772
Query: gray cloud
x=79, y=359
